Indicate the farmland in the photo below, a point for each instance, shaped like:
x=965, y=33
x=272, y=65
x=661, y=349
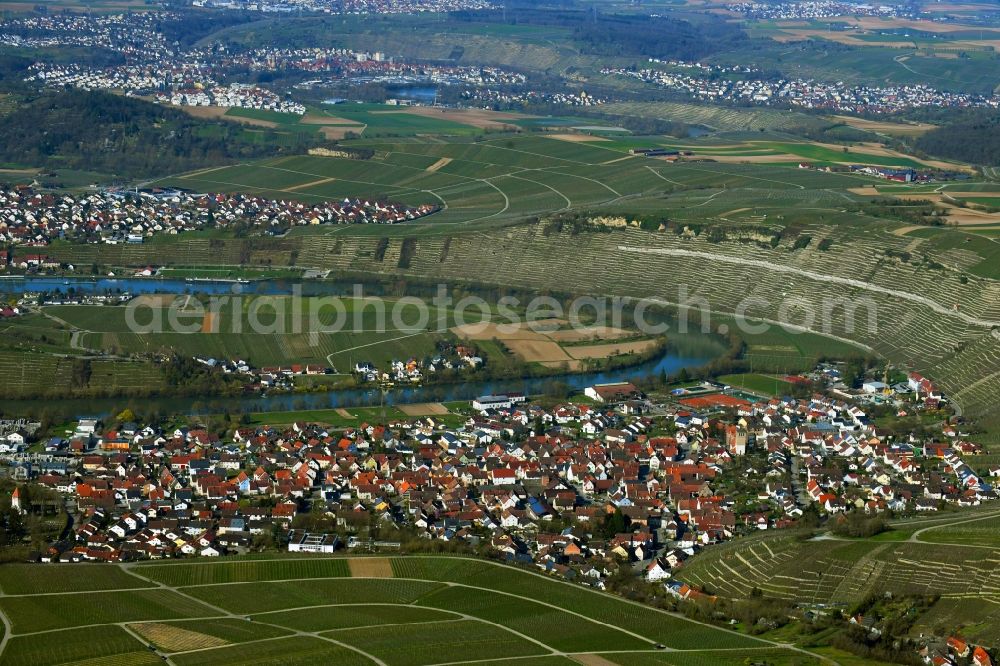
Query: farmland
x=490, y=182
x=430, y=610
x=266, y=331
x=725, y=230
x=804, y=221
x=369, y=120
x=947, y=556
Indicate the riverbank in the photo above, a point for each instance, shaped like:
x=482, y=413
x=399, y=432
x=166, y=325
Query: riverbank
x=669, y=364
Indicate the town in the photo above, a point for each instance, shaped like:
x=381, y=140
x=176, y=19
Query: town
x=347, y=6
x=631, y=478
x=807, y=94
x=819, y=9
x=611, y=475
x=35, y=219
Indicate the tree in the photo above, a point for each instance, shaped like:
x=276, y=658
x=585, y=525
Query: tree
x=126, y=416
x=614, y=523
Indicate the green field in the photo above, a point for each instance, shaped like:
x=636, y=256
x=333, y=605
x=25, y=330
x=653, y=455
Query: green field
x=984, y=532
x=764, y=384
x=263, y=331
x=25, y=579
x=943, y=555
x=435, y=610
x=370, y=120
x=495, y=181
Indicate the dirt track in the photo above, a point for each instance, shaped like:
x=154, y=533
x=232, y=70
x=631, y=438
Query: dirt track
x=440, y=164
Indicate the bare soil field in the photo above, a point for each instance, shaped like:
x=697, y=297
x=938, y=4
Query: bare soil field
x=866, y=191
x=884, y=127
x=802, y=34
x=219, y=113
x=610, y=349
x=541, y=351
x=544, y=344
x=592, y=660
x=175, y=639
x=343, y=413
x=480, y=118
x=577, y=138
x=966, y=217
x=539, y=329
x=424, y=409
x=589, y=333
x=570, y=365
x=153, y=300
x=206, y=112
x=491, y=331
x=208, y=323
x=902, y=231
x=441, y=163
x=313, y=119
x=336, y=132
x=370, y=567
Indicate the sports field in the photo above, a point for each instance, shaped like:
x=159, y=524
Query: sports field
x=402, y=611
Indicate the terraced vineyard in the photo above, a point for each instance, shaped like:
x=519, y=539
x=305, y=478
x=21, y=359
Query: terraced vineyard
x=716, y=117
x=939, y=320
x=413, y=611
x=938, y=559
x=39, y=373
x=929, y=299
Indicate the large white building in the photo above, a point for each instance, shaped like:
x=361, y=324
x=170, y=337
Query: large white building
x=303, y=542
x=487, y=402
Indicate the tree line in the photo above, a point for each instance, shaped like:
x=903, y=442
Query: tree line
x=98, y=131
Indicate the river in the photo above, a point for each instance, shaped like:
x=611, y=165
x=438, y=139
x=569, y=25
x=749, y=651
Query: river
x=693, y=355
x=276, y=402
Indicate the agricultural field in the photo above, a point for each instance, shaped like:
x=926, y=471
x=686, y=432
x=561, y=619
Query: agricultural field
x=553, y=344
x=983, y=532
x=401, y=611
x=726, y=230
x=24, y=579
x=786, y=351
x=373, y=120
x=41, y=373
x=264, y=331
x=917, y=557
x=495, y=181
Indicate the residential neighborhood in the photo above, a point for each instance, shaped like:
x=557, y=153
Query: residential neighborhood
x=35, y=218
x=564, y=486
x=709, y=84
